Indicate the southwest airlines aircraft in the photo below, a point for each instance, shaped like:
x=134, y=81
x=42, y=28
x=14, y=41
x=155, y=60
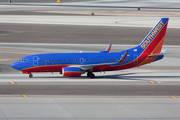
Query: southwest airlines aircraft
x=75, y=64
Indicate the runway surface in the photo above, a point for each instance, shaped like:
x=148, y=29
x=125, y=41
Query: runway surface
x=147, y=92
x=89, y=108
x=127, y=84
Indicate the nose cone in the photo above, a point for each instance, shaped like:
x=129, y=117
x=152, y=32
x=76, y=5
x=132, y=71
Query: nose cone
x=15, y=65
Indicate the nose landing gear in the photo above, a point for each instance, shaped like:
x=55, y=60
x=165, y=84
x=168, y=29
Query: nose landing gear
x=30, y=75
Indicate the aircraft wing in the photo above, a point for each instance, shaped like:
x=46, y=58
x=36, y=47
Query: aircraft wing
x=89, y=66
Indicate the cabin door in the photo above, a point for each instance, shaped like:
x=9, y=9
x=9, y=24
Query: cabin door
x=81, y=60
x=35, y=60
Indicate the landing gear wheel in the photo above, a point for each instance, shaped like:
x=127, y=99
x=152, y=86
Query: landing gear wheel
x=30, y=75
x=92, y=75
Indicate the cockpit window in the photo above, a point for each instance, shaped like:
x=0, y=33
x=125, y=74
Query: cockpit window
x=23, y=60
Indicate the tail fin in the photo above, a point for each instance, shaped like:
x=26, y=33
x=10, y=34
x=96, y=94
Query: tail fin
x=152, y=43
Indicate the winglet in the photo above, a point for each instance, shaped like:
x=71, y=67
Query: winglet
x=123, y=58
x=109, y=47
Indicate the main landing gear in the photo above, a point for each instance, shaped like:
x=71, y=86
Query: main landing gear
x=30, y=75
x=90, y=74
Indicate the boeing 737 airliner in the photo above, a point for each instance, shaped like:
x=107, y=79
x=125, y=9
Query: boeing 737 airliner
x=75, y=64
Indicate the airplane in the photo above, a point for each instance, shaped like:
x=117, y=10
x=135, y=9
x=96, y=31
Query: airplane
x=75, y=64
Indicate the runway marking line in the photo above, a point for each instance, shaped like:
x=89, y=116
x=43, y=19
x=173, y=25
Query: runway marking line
x=13, y=83
x=152, y=82
x=24, y=95
x=173, y=96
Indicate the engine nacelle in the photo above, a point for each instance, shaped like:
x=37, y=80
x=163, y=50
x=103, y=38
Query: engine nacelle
x=72, y=71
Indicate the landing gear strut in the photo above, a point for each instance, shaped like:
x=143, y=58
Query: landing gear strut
x=90, y=74
x=30, y=75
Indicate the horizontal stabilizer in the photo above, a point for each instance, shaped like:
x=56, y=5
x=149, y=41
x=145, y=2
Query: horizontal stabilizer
x=156, y=55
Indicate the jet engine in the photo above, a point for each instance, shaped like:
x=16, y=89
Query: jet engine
x=72, y=71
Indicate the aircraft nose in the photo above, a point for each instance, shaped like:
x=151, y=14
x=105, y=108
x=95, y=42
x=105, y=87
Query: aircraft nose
x=15, y=65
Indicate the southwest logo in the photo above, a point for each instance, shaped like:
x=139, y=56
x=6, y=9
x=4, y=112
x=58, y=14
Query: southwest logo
x=152, y=35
